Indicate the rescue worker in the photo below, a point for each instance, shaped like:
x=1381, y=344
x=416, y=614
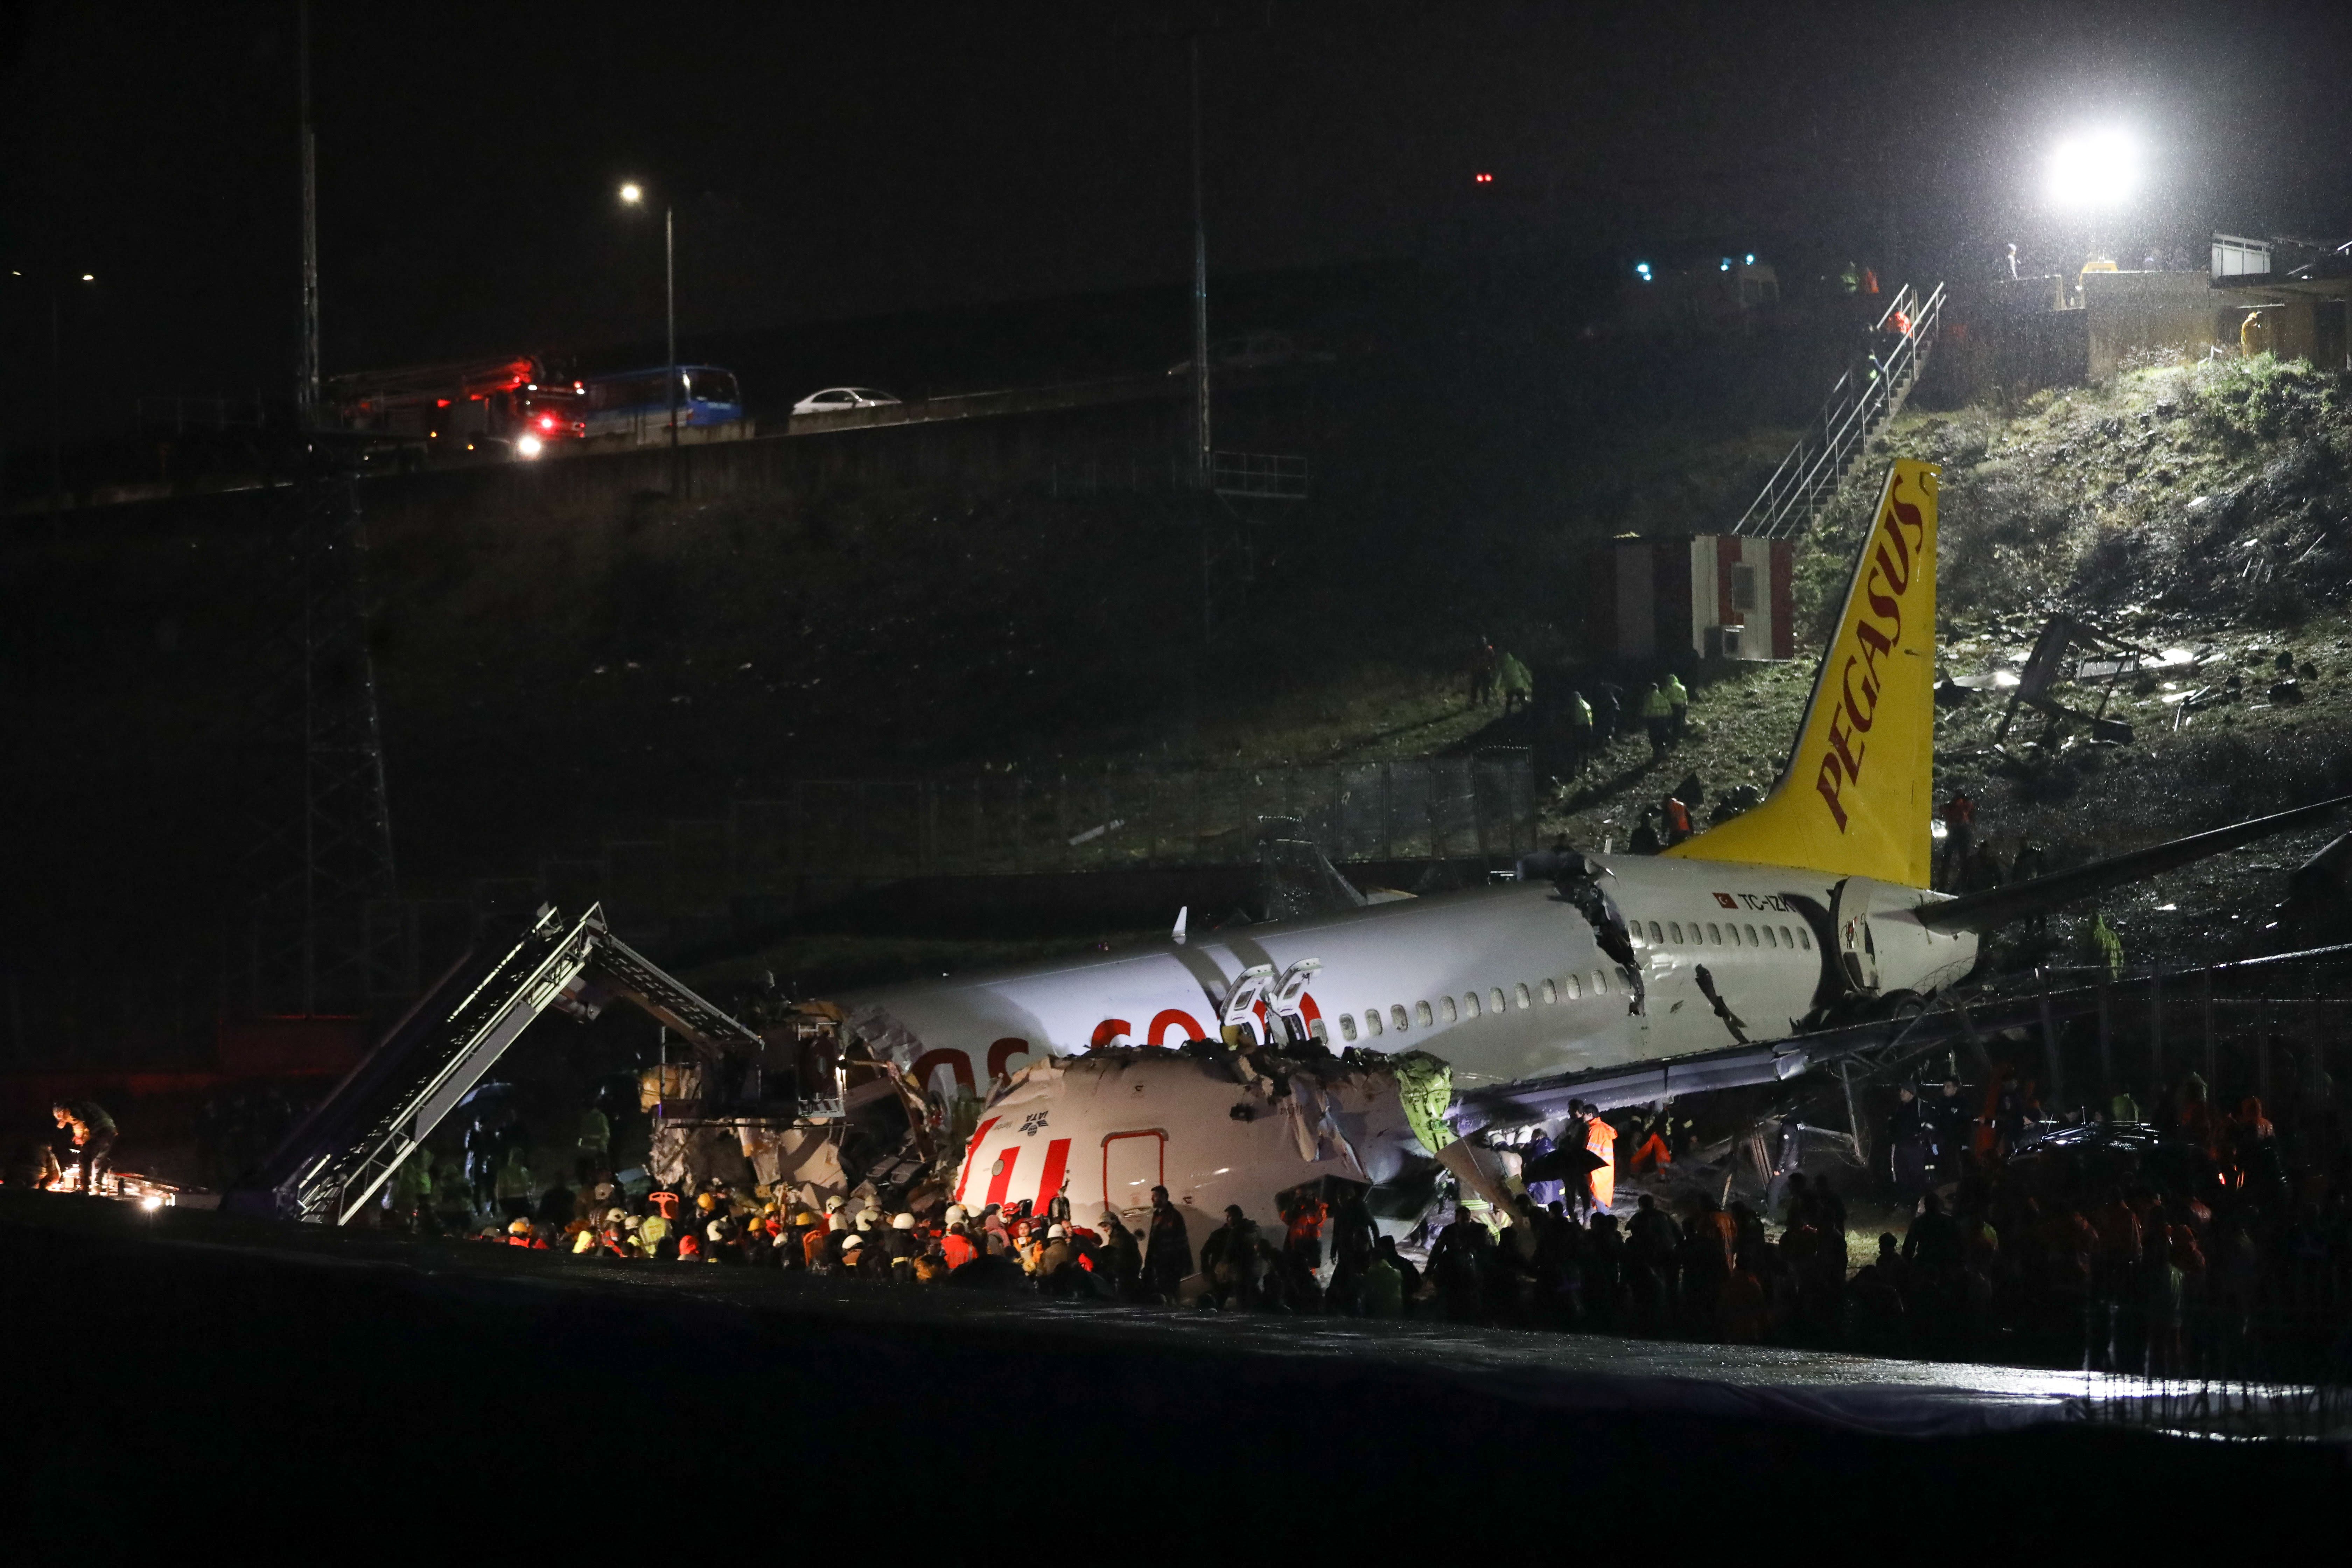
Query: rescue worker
x=1960, y=819
x=1650, y=1153
x=1053, y=1263
x=1380, y=1289
x=1910, y=1141
x=1460, y=1260
x=1600, y=1141
x=1646, y=840
x=1579, y=731
x=34, y=1164
x=1229, y=1257
x=513, y=1187
x=1167, y=1250
x=1609, y=715
x=2032, y=861
x=902, y=1246
x=1122, y=1255
x=1481, y=674
x=1518, y=687
x=93, y=1139
x=656, y=1236
x=1678, y=820
x=1678, y=703
x=409, y=1198
x=2110, y=945
x=957, y=1247
x=2253, y=335
x=1658, y=718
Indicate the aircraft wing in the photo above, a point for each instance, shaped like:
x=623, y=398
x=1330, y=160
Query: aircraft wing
x=1998, y=906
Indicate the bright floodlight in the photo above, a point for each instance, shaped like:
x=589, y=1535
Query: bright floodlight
x=2098, y=170
x=632, y=194
x=89, y=278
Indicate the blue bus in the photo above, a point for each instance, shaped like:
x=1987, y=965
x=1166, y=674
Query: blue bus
x=633, y=406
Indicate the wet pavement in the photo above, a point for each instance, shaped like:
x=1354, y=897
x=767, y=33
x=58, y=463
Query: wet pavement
x=1594, y=1374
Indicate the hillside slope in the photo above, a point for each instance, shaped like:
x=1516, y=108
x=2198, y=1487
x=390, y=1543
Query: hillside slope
x=2204, y=512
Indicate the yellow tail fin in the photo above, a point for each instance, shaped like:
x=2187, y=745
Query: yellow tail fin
x=1860, y=788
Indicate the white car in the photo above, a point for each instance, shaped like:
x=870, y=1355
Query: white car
x=841, y=399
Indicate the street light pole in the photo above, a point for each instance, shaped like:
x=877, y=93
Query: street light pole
x=1200, y=291
x=306, y=380
x=670, y=292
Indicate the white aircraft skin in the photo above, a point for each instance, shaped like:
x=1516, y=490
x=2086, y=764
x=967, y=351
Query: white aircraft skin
x=1440, y=963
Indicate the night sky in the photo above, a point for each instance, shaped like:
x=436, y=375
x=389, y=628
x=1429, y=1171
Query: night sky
x=839, y=161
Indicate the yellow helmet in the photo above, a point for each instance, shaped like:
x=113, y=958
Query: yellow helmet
x=519, y=1228
x=706, y=1202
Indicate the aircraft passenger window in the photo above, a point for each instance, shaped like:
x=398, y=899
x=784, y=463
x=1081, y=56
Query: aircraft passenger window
x=1575, y=987
x=1714, y=935
x=1373, y=1019
x=1495, y=996
x=1550, y=992
x=1674, y=931
x=1751, y=936
x=1420, y=1011
x=1770, y=940
x=1526, y=1001
x=1655, y=934
x=1397, y=1017
x=1470, y=1003
x=1805, y=941
x=1599, y=983
x=1735, y=934
x=1447, y=1004
x=1348, y=1026
x=1635, y=929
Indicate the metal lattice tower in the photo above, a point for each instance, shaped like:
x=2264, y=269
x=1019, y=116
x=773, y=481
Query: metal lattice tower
x=325, y=929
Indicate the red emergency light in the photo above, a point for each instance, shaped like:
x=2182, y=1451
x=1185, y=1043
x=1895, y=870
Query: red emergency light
x=1486, y=179
x=547, y=421
x=440, y=403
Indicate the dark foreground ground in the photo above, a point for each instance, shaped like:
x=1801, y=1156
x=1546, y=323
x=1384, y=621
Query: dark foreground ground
x=167, y=1368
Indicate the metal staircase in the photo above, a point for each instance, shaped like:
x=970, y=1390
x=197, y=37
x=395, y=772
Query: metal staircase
x=340, y=1155
x=1865, y=400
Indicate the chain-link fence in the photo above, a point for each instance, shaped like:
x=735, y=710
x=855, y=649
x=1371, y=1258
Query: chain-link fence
x=808, y=841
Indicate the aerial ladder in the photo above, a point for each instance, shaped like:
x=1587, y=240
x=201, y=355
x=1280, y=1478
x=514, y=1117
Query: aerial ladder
x=1864, y=403
x=339, y=1157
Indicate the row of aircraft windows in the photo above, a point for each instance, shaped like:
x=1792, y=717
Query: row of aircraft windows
x=1472, y=1007
x=1726, y=934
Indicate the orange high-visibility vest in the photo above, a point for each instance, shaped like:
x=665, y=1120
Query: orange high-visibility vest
x=1601, y=1139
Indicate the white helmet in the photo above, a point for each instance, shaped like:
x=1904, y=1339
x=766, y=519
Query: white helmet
x=902, y=1222
x=1055, y=1233
x=957, y=1213
x=836, y=1203
x=866, y=1219
x=854, y=1240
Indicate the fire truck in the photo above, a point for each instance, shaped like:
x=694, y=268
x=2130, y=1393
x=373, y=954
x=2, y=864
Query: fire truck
x=515, y=409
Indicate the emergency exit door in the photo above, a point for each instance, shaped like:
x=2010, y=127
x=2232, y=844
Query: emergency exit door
x=1132, y=1164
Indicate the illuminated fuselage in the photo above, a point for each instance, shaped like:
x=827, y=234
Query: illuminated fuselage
x=1504, y=982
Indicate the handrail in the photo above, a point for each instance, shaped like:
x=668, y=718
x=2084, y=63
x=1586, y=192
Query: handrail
x=1856, y=406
